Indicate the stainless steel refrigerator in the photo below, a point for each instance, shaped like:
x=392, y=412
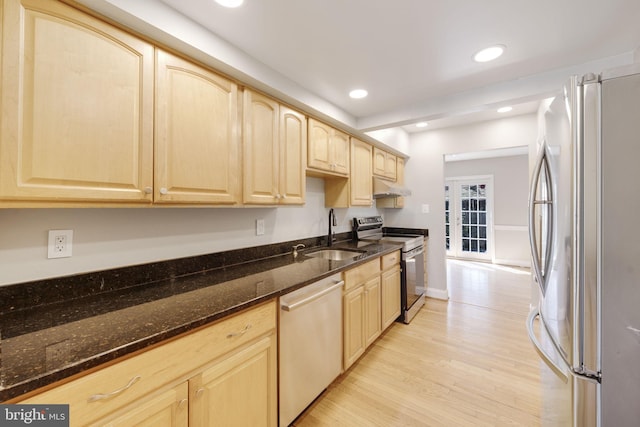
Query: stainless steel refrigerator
x=584, y=217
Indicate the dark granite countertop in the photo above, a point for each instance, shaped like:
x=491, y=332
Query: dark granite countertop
x=98, y=327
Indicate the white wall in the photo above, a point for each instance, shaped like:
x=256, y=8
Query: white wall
x=510, y=200
x=117, y=237
x=424, y=174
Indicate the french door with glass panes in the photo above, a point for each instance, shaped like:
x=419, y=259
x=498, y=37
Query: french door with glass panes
x=468, y=217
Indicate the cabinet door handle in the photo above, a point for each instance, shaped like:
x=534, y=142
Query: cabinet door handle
x=182, y=403
x=148, y=190
x=163, y=191
x=242, y=332
x=101, y=396
x=199, y=392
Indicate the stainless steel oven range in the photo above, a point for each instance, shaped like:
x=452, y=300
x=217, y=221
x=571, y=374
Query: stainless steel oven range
x=370, y=229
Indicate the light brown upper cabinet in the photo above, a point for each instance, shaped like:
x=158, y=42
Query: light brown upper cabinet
x=384, y=164
x=274, y=151
x=394, y=202
x=328, y=149
x=76, y=107
x=361, y=177
x=197, y=146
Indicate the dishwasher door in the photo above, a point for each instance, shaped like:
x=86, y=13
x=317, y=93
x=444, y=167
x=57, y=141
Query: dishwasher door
x=310, y=346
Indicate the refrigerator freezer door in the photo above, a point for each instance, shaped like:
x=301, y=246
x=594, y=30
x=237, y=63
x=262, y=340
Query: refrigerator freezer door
x=620, y=258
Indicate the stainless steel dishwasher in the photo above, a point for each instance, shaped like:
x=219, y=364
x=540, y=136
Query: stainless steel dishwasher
x=310, y=344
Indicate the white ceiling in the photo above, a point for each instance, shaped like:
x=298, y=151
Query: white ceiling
x=414, y=56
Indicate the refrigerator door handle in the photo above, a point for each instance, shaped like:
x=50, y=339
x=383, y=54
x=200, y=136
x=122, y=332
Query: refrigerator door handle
x=557, y=369
x=541, y=162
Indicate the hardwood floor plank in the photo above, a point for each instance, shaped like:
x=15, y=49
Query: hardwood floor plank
x=467, y=361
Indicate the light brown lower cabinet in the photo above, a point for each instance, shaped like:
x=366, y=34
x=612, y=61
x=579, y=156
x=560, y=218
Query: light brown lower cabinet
x=167, y=408
x=223, y=374
x=361, y=306
x=390, y=288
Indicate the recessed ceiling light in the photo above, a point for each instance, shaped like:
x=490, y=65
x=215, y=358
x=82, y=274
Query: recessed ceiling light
x=422, y=125
x=230, y=3
x=489, y=54
x=358, y=93
x=504, y=109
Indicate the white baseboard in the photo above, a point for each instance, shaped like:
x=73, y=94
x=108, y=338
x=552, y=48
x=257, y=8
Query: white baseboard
x=513, y=262
x=442, y=294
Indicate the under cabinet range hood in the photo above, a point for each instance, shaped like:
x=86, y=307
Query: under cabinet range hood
x=382, y=188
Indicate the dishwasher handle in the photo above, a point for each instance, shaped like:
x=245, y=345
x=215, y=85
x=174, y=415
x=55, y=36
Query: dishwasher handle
x=290, y=306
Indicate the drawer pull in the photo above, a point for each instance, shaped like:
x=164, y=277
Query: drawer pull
x=242, y=332
x=101, y=396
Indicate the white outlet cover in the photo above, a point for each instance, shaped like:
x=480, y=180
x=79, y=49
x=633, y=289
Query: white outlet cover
x=425, y=208
x=60, y=244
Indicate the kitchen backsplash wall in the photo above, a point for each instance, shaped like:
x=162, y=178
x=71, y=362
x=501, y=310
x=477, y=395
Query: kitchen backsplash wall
x=118, y=237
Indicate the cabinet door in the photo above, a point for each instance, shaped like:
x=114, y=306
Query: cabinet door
x=261, y=154
x=390, y=290
x=390, y=166
x=379, y=161
x=76, y=107
x=353, y=334
x=293, y=155
x=169, y=408
x=372, y=320
x=318, y=150
x=240, y=390
x=399, y=201
x=197, y=142
x=361, y=178
x=340, y=148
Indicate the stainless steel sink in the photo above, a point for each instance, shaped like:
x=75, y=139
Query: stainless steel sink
x=335, y=254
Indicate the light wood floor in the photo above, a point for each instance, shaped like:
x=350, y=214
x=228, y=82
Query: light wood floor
x=467, y=361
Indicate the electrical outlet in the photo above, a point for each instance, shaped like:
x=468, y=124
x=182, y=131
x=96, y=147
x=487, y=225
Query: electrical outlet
x=60, y=243
x=57, y=355
x=259, y=227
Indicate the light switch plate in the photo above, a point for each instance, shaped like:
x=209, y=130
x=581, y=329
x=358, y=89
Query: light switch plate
x=60, y=244
x=259, y=227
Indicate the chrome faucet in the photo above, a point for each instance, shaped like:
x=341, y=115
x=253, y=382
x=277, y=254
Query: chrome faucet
x=332, y=221
x=295, y=249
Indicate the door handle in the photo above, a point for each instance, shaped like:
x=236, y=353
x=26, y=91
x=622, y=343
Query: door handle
x=557, y=369
x=542, y=161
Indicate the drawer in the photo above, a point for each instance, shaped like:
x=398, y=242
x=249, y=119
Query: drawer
x=142, y=374
x=357, y=276
x=389, y=260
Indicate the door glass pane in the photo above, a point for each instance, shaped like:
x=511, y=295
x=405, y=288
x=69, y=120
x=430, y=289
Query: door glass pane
x=472, y=203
